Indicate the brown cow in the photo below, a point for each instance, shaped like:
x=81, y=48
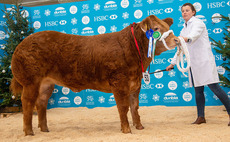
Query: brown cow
x=108, y=63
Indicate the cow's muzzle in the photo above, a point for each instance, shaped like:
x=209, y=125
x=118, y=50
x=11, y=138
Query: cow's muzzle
x=164, y=36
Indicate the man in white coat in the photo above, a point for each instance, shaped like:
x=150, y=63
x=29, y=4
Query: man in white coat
x=203, y=67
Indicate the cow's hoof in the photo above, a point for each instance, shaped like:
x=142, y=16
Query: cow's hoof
x=126, y=131
x=140, y=127
x=45, y=130
x=29, y=133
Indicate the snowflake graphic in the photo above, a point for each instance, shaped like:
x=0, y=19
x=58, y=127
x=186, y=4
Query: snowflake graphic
x=143, y=96
x=74, y=21
x=90, y=98
x=74, y=31
x=150, y=1
x=171, y=73
x=47, y=12
x=125, y=25
x=125, y=15
x=113, y=28
x=156, y=98
x=85, y=7
x=101, y=99
x=96, y=7
x=51, y=101
x=186, y=84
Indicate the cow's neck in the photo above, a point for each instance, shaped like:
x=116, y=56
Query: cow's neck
x=142, y=41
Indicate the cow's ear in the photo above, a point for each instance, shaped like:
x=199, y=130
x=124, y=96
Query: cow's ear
x=145, y=24
x=169, y=21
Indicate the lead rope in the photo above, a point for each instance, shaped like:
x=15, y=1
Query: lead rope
x=182, y=50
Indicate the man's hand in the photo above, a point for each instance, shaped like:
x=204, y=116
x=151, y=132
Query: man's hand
x=185, y=38
x=168, y=68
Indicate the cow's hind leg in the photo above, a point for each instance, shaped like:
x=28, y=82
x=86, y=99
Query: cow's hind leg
x=134, y=106
x=45, y=93
x=29, y=96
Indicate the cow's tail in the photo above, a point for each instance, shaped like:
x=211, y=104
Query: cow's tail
x=15, y=87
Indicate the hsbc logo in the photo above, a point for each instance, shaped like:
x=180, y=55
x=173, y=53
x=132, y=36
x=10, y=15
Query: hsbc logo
x=105, y=18
x=169, y=60
x=218, y=57
x=113, y=17
x=168, y=10
x=55, y=90
x=51, y=23
x=147, y=86
x=216, y=4
x=228, y=3
x=155, y=12
x=160, y=61
x=63, y=22
x=159, y=85
x=217, y=30
x=101, y=18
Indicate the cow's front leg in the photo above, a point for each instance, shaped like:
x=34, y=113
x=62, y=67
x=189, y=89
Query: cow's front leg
x=134, y=106
x=122, y=100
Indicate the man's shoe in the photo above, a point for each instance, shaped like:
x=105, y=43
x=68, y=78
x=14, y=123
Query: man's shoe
x=200, y=120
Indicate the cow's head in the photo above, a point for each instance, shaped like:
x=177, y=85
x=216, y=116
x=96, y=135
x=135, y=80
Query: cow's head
x=154, y=23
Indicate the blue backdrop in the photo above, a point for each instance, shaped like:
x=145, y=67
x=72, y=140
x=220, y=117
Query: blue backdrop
x=97, y=17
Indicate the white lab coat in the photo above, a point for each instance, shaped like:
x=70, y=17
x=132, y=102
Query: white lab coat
x=202, y=61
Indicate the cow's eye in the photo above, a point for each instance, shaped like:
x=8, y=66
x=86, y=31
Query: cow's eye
x=155, y=29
